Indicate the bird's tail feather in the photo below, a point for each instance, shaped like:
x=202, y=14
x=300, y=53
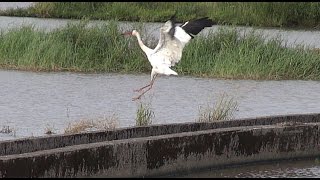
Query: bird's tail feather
x=164, y=70
x=168, y=71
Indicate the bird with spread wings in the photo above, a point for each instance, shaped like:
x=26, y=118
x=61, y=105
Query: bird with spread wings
x=168, y=52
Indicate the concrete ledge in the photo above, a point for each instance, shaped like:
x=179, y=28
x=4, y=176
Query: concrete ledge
x=57, y=141
x=169, y=153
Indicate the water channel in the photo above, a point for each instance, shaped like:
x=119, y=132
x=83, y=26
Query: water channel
x=30, y=102
x=288, y=169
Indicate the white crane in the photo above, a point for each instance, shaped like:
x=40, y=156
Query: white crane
x=169, y=49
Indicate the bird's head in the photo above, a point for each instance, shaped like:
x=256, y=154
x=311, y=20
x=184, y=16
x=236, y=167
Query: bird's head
x=130, y=33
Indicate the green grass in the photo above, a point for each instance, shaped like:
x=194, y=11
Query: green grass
x=267, y=14
x=222, y=54
x=144, y=114
x=226, y=54
x=73, y=48
x=223, y=109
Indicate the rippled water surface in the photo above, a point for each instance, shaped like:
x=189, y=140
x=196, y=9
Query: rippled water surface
x=32, y=101
x=289, y=169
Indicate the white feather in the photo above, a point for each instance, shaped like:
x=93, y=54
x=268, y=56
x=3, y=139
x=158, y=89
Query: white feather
x=167, y=53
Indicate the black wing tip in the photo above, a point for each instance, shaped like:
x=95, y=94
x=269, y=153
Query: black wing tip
x=208, y=22
x=212, y=22
x=173, y=18
x=173, y=22
x=193, y=27
x=174, y=15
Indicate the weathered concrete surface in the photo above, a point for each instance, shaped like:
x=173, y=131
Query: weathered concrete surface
x=169, y=153
x=57, y=141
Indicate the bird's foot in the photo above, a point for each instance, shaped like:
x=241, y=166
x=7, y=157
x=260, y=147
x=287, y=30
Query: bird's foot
x=137, y=90
x=136, y=98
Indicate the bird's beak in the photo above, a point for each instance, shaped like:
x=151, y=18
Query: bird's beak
x=128, y=33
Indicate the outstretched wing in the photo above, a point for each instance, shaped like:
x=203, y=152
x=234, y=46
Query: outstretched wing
x=174, y=38
x=195, y=26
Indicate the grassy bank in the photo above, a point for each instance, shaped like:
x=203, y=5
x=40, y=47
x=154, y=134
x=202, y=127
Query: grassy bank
x=73, y=48
x=223, y=54
x=229, y=55
x=267, y=14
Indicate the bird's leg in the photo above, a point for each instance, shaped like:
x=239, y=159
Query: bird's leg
x=151, y=84
x=138, y=97
x=138, y=90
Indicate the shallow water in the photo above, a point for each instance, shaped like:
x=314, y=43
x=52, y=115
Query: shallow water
x=33, y=101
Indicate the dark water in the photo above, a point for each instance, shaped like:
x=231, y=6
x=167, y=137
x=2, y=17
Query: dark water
x=285, y=169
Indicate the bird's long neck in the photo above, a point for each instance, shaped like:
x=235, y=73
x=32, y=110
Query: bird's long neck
x=142, y=46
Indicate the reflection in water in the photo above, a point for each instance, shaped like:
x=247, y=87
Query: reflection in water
x=298, y=169
x=30, y=101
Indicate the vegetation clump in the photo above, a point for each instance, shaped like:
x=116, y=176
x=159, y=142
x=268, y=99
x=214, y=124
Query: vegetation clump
x=223, y=109
x=84, y=125
x=144, y=114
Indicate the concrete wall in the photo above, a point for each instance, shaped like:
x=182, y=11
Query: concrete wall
x=169, y=153
x=57, y=141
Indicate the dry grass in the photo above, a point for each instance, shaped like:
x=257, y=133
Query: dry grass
x=8, y=130
x=49, y=129
x=84, y=125
x=223, y=109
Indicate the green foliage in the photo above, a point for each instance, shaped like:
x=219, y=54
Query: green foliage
x=223, y=54
x=74, y=47
x=227, y=54
x=223, y=109
x=145, y=114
